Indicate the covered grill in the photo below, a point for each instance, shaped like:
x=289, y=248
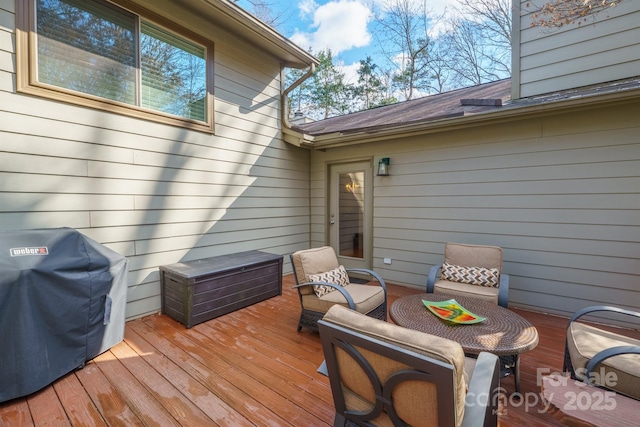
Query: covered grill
x=62, y=302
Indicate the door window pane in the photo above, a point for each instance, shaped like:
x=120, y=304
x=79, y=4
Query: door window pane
x=351, y=214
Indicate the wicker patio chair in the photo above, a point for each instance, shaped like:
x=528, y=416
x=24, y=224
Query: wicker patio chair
x=600, y=357
x=384, y=374
x=473, y=271
x=322, y=282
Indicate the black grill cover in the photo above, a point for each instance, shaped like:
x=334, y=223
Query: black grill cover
x=62, y=302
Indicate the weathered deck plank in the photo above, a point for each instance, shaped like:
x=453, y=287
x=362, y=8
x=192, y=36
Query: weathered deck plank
x=249, y=367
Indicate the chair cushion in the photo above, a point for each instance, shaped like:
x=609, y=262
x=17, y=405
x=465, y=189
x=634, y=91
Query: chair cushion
x=473, y=255
x=365, y=297
x=336, y=276
x=584, y=341
x=479, y=276
x=465, y=290
x=314, y=261
x=416, y=405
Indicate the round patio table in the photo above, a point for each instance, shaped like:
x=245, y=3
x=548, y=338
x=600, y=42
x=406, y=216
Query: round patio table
x=503, y=332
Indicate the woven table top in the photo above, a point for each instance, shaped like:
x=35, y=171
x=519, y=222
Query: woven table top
x=503, y=333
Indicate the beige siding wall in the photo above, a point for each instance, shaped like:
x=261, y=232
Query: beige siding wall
x=602, y=49
x=560, y=194
x=155, y=193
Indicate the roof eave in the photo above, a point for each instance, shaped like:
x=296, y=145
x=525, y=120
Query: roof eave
x=507, y=113
x=245, y=25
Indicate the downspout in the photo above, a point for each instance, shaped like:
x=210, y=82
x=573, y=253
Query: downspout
x=291, y=136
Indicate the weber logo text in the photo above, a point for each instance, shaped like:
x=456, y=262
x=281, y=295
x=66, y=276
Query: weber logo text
x=43, y=250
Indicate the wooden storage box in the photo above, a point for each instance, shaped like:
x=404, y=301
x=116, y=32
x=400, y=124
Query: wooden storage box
x=197, y=291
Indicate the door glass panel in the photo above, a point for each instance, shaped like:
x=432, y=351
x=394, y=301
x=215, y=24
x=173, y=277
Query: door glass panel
x=351, y=214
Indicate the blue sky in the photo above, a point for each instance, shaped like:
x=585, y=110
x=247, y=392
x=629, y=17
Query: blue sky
x=344, y=26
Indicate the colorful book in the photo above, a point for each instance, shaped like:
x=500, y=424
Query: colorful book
x=452, y=311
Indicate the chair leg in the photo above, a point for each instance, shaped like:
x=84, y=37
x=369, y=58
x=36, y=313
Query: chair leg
x=567, y=366
x=301, y=321
x=339, y=421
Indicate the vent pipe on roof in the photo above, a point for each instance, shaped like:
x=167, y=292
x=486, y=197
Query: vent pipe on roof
x=479, y=102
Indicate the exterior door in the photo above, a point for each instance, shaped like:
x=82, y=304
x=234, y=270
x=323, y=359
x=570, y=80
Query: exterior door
x=350, y=219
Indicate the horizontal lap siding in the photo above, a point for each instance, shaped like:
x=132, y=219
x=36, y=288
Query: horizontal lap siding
x=602, y=49
x=157, y=194
x=561, y=195
x=7, y=42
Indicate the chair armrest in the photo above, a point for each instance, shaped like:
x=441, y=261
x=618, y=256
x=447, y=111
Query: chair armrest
x=607, y=353
x=341, y=289
x=503, y=291
x=370, y=273
x=595, y=308
x=431, y=279
x=568, y=365
x=481, y=402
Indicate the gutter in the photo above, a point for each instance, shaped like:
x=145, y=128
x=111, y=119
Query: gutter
x=291, y=136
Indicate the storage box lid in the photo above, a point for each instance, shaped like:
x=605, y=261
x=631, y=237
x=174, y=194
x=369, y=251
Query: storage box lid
x=196, y=268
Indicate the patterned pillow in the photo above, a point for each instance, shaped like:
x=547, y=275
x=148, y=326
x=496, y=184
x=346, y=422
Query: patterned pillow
x=336, y=276
x=480, y=276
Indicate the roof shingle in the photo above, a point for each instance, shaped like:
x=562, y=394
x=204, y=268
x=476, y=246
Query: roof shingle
x=432, y=107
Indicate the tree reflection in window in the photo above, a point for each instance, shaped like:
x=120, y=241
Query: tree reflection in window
x=92, y=47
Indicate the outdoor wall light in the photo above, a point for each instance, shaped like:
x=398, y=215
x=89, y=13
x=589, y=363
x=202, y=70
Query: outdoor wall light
x=383, y=166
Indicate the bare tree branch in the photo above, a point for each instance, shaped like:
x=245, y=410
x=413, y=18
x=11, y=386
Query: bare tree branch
x=405, y=42
x=265, y=11
x=558, y=13
x=495, y=16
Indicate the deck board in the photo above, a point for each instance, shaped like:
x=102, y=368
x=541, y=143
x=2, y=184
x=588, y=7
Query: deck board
x=249, y=367
x=46, y=409
x=210, y=404
x=76, y=402
x=104, y=397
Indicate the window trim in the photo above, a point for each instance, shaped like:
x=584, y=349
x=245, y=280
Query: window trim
x=27, y=67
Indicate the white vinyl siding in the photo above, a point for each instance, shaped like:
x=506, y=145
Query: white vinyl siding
x=602, y=49
x=155, y=193
x=560, y=195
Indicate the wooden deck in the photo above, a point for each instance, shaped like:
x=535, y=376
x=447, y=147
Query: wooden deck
x=249, y=367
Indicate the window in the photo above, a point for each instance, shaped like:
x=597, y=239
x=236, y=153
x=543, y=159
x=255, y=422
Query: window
x=99, y=54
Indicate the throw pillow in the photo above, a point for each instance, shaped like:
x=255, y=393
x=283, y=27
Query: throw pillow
x=480, y=276
x=336, y=276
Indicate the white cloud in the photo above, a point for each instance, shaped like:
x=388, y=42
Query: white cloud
x=435, y=8
x=350, y=73
x=339, y=25
x=307, y=7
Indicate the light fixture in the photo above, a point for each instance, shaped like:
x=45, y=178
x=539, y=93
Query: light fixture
x=383, y=166
x=352, y=187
